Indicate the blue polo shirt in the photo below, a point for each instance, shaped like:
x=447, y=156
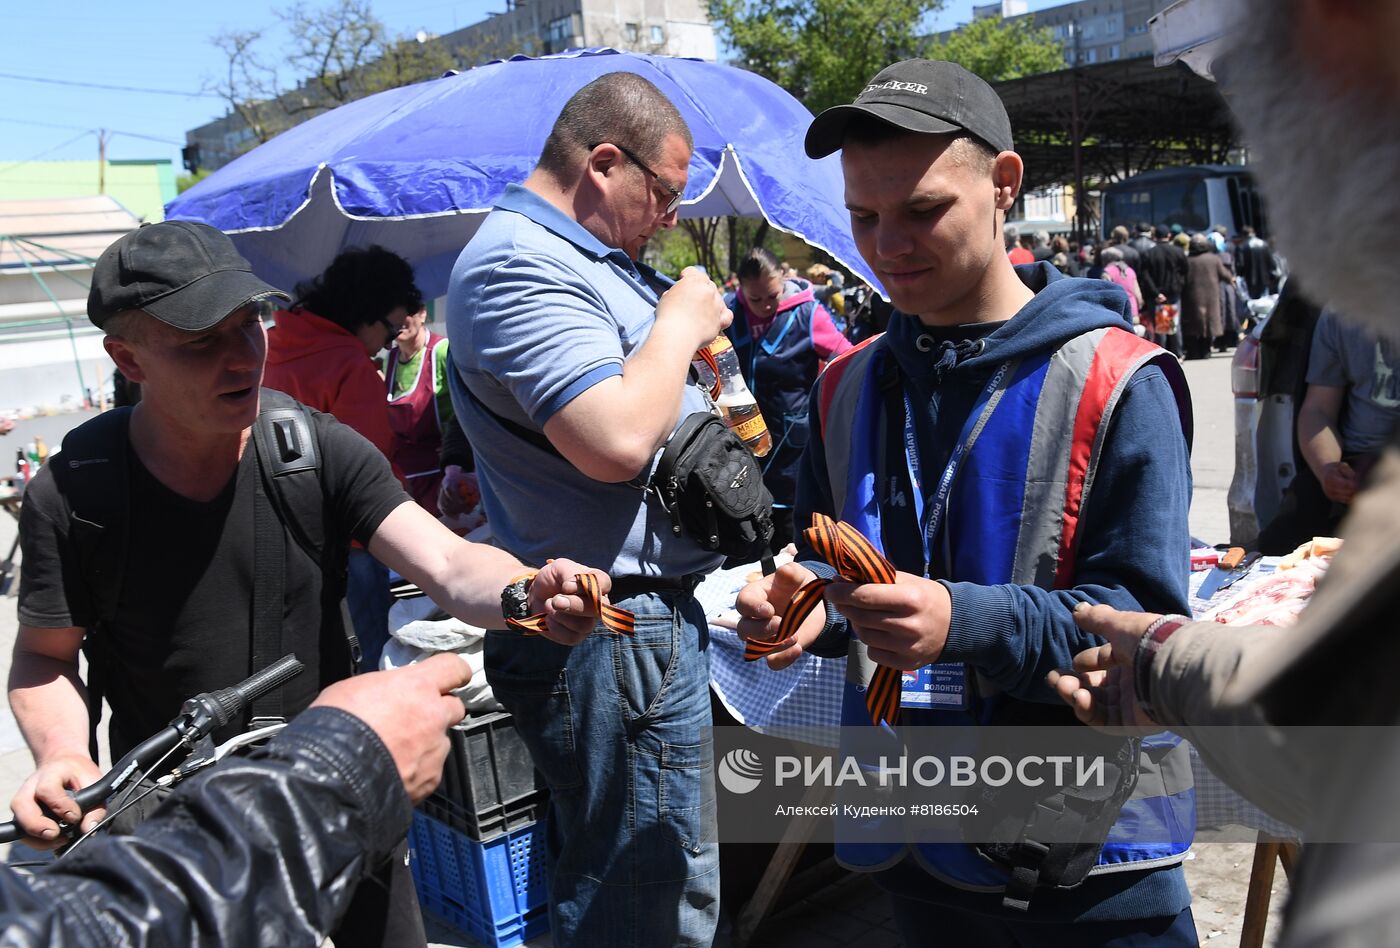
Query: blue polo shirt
x=539, y=311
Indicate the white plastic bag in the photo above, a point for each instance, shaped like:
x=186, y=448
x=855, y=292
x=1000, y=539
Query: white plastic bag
x=416, y=637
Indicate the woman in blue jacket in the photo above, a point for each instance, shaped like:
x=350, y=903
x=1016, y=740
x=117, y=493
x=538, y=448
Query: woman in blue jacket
x=782, y=337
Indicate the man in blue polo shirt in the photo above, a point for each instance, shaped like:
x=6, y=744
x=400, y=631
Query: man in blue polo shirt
x=570, y=364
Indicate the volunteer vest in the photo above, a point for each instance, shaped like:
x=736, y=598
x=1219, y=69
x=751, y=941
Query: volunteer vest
x=1013, y=516
x=779, y=368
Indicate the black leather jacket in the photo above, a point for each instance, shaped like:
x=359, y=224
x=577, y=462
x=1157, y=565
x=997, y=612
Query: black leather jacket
x=260, y=850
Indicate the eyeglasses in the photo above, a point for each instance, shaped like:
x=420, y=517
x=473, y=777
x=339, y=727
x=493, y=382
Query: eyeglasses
x=676, y=196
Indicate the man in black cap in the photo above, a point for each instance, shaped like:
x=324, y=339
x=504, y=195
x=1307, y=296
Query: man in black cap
x=1015, y=450
x=178, y=545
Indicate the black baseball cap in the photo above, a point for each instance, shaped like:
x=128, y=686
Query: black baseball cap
x=919, y=95
x=185, y=274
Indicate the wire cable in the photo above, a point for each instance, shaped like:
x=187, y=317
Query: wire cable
x=99, y=85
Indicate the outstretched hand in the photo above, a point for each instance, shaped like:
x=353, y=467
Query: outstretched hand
x=1101, y=688
x=761, y=605
x=410, y=708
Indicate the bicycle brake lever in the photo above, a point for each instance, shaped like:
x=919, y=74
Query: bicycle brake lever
x=202, y=755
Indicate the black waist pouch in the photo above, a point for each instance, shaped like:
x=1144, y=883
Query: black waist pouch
x=1048, y=837
x=712, y=486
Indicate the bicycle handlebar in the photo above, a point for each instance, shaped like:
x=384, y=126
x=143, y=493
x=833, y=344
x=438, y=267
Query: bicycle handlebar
x=200, y=716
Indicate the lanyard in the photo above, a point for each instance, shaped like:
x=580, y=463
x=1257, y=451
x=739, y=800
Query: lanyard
x=976, y=420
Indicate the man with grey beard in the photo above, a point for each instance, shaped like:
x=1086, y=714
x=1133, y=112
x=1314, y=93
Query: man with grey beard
x=1315, y=86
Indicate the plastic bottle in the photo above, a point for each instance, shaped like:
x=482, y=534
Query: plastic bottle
x=736, y=403
x=42, y=449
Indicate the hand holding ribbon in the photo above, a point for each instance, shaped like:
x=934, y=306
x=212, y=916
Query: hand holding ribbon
x=568, y=601
x=858, y=562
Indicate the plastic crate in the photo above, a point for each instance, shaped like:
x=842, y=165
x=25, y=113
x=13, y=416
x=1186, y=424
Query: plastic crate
x=489, y=785
x=495, y=891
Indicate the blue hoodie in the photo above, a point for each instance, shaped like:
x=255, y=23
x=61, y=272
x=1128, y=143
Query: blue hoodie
x=1134, y=540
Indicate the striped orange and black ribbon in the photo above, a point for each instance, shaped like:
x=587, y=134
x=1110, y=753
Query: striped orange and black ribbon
x=615, y=620
x=857, y=561
x=708, y=357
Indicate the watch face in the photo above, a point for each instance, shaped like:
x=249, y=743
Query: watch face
x=515, y=600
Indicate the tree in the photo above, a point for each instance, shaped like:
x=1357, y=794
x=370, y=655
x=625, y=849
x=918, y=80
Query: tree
x=998, y=49
x=183, y=182
x=821, y=51
x=338, y=53
x=711, y=242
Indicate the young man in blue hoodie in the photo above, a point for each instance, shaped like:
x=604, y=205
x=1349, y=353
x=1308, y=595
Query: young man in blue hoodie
x=1014, y=450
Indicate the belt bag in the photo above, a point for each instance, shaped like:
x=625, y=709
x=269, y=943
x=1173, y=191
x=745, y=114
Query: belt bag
x=1051, y=838
x=712, y=486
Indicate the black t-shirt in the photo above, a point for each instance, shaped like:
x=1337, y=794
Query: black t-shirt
x=183, y=622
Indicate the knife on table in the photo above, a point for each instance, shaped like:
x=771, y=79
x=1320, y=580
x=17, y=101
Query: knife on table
x=1233, y=565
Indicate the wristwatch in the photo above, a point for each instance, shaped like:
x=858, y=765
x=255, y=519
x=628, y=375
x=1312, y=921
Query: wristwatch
x=515, y=598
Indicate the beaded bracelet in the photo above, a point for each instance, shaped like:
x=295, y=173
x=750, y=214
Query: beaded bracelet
x=1148, y=646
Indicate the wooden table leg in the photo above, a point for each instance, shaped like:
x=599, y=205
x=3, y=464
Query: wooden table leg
x=1256, y=899
x=779, y=869
x=1288, y=854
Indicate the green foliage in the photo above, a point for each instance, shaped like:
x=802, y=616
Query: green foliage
x=821, y=51
x=184, y=182
x=715, y=243
x=998, y=49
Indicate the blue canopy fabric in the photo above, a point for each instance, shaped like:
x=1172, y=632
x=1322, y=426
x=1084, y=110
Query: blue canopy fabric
x=416, y=169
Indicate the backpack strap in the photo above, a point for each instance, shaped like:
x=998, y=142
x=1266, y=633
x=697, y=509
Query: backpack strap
x=269, y=598
x=92, y=476
x=537, y=438
x=287, y=448
x=289, y=464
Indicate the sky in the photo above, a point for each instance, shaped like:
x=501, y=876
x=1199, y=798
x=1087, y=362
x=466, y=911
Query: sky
x=159, y=52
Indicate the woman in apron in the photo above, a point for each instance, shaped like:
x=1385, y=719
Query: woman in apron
x=419, y=406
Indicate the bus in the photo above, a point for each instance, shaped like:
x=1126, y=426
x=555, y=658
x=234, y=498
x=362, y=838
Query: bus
x=1198, y=197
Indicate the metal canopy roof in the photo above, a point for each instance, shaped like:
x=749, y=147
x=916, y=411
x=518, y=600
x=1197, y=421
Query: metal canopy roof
x=1132, y=116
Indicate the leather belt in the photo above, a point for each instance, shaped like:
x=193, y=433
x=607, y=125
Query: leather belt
x=625, y=587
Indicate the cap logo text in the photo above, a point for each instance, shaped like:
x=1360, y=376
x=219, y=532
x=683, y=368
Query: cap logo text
x=894, y=85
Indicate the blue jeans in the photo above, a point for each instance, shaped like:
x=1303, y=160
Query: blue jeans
x=368, y=598
x=619, y=727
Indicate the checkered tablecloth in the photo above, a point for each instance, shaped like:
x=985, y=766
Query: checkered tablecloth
x=807, y=694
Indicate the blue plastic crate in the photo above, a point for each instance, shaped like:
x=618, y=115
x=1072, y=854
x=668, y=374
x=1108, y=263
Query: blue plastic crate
x=494, y=891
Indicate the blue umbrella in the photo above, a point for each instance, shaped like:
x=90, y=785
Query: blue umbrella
x=416, y=169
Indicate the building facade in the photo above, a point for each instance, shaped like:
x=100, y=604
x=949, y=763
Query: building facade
x=1099, y=31
x=532, y=27
x=50, y=355
x=540, y=27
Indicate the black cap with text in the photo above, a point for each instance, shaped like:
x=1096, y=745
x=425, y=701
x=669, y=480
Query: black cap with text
x=919, y=95
x=185, y=274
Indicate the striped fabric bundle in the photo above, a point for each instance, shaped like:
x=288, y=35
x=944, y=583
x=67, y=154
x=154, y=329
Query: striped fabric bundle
x=856, y=560
x=615, y=620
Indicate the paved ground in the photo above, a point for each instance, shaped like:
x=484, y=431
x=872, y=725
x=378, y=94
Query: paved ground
x=1213, y=456
x=852, y=911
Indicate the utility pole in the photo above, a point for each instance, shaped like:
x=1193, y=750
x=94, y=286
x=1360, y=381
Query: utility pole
x=101, y=161
x=1077, y=136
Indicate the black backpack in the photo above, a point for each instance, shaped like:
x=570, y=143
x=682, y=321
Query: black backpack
x=91, y=474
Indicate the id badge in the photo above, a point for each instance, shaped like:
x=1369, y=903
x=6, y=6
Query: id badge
x=938, y=687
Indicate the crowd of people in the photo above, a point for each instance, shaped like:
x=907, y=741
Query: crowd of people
x=1188, y=291
x=1015, y=444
